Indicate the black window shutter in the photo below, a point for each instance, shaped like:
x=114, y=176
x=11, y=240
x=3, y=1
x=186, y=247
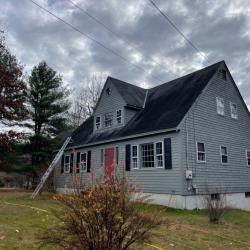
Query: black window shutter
x=78, y=162
x=168, y=153
x=89, y=161
x=128, y=153
x=71, y=162
x=62, y=164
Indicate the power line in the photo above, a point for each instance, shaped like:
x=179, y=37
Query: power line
x=179, y=31
x=94, y=40
x=112, y=32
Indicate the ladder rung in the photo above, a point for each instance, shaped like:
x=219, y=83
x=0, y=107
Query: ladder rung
x=50, y=168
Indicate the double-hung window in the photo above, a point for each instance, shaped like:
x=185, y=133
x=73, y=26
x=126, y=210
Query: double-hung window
x=220, y=106
x=119, y=116
x=67, y=164
x=83, y=162
x=147, y=155
x=201, y=152
x=159, y=154
x=108, y=119
x=234, y=112
x=98, y=122
x=223, y=154
x=248, y=157
x=135, y=163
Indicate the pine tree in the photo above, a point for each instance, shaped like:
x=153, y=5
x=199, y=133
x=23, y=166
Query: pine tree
x=48, y=101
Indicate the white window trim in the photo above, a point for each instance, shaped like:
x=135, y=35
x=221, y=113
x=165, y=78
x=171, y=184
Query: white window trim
x=112, y=120
x=197, y=158
x=133, y=157
x=80, y=168
x=217, y=98
x=64, y=166
x=247, y=150
x=231, y=114
x=163, y=158
x=223, y=154
x=100, y=122
x=121, y=117
x=155, y=158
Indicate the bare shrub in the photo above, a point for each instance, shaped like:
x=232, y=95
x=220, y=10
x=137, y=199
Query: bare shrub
x=215, y=204
x=104, y=216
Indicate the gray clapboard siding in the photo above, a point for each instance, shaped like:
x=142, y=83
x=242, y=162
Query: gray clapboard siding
x=202, y=123
x=149, y=180
x=109, y=103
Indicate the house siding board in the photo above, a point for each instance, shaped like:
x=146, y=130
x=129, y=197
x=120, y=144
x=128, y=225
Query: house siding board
x=204, y=124
x=149, y=180
x=108, y=103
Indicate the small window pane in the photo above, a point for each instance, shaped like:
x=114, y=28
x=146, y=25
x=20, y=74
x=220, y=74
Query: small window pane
x=119, y=116
x=201, y=147
x=135, y=157
x=223, y=150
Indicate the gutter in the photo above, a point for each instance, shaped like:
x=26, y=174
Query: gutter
x=124, y=138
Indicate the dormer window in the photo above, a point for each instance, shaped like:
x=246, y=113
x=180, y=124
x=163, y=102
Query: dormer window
x=98, y=122
x=108, y=119
x=119, y=116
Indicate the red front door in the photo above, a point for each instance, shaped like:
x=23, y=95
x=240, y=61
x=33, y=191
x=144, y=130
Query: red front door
x=109, y=162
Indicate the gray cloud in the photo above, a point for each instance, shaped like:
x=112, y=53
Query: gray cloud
x=219, y=28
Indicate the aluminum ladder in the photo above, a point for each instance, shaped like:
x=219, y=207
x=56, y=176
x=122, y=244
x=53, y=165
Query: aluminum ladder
x=50, y=168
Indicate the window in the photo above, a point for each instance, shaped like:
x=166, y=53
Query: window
x=223, y=153
x=220, y=106
x=201, y=153
x=67, y=164
x=248, y=157
x=108, y=119
x=83, y=162
x=135, y=164
x=147, y=155
x=159, y=155
x=223, y=74
x=233, y=108
x=98, y=122
x=119, y=116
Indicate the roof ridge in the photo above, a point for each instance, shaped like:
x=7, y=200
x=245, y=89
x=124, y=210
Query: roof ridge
x=192, y=73
x=110, y=77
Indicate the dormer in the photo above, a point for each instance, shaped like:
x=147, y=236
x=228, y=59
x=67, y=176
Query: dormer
x=118, y=103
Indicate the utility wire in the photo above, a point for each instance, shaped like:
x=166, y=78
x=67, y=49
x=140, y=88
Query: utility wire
x=94, y=40
x=180, y=32
x=113, y=32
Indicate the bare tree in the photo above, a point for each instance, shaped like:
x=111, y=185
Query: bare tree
x=85, y=100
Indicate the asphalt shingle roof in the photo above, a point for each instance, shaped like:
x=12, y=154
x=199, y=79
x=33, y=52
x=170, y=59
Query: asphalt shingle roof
x=165, y=107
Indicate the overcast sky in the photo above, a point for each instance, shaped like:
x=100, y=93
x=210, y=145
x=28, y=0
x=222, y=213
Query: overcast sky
x=220, y=29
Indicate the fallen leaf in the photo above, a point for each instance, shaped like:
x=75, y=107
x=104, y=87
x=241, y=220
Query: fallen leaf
x=2, y=237
x=17, y=230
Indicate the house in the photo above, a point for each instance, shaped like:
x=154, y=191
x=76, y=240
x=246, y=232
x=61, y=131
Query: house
x=178, y=141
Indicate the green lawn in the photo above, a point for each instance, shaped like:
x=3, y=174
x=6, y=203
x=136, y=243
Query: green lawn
x=22, y=220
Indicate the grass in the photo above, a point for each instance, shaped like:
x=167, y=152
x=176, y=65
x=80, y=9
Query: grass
x=22, y=220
